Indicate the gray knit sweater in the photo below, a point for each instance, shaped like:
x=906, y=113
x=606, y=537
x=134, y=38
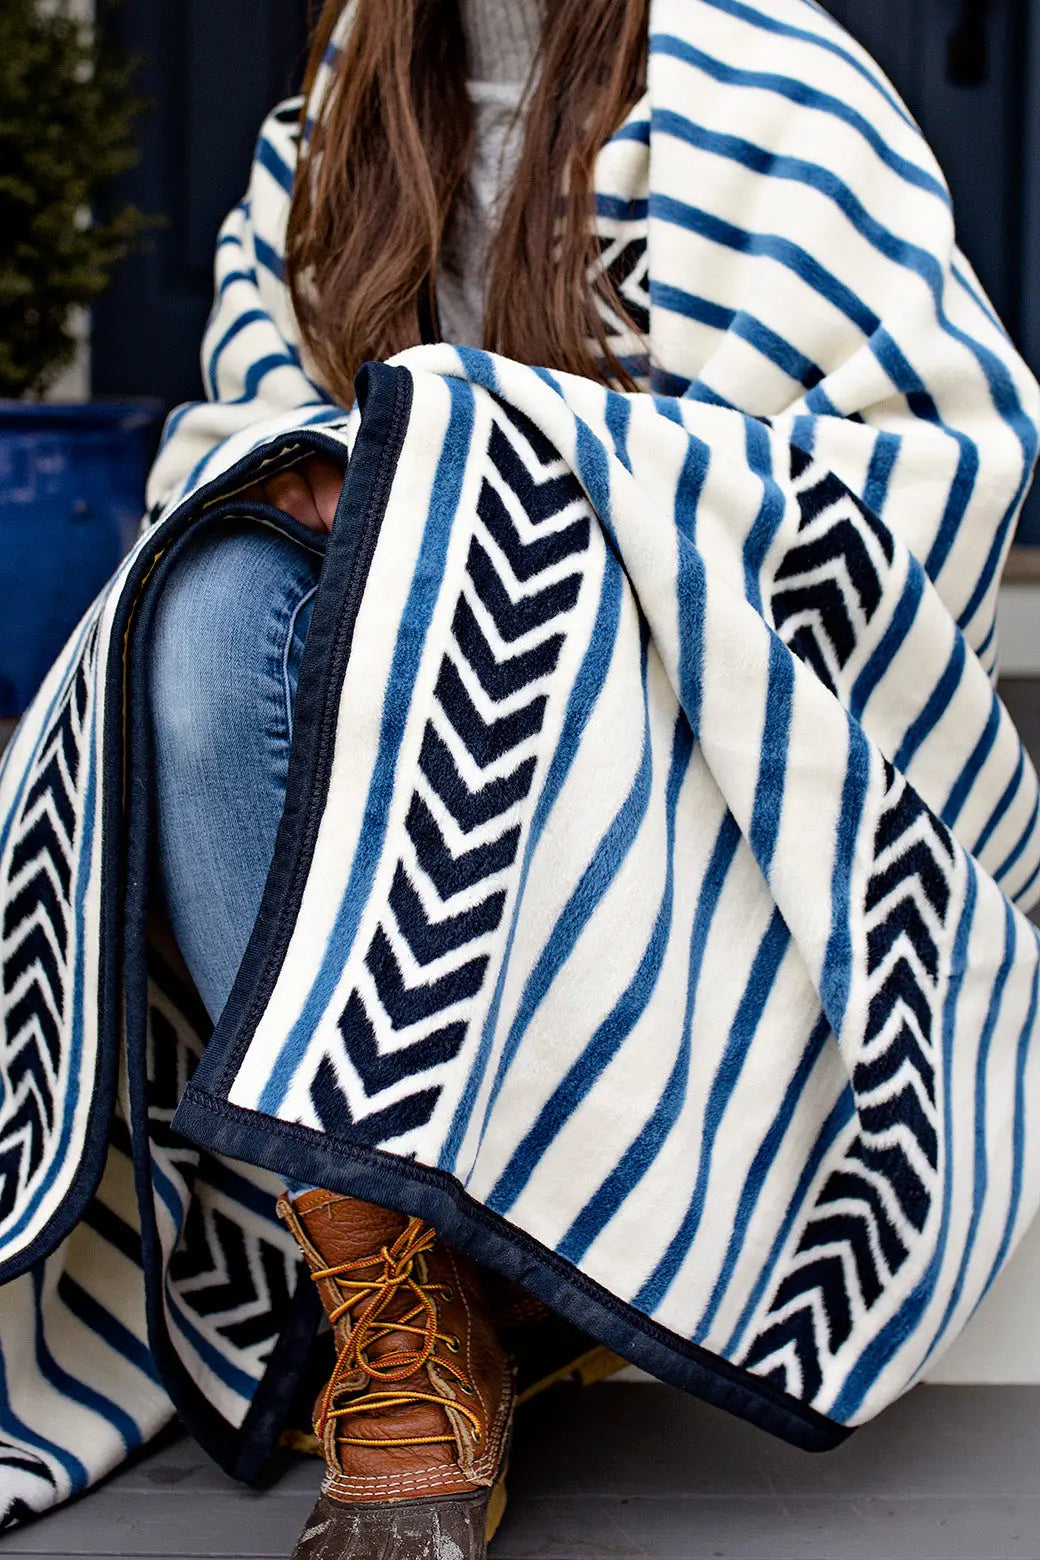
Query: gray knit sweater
x=502, y=38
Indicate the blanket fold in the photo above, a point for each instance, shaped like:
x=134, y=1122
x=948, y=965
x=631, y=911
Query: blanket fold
x=659, y=979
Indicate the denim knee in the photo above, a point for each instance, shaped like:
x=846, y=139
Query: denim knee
x=223, y=641
x=228, y=636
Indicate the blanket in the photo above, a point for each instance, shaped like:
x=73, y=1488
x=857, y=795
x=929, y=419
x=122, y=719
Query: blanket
x=647, y=911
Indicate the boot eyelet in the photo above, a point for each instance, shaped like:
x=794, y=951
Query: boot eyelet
x=464, y=1386
x=448, y=1296
x=452, y=1344
x=478, y=1437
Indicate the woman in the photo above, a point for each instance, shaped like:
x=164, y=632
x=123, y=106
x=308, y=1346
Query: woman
x=570, y=773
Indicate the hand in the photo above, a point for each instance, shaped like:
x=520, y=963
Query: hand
x=309, y=492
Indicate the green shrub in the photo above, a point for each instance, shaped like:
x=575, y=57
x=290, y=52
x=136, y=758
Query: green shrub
x=67, y=115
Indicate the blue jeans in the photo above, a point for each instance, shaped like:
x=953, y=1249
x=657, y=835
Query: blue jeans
x=229, y=634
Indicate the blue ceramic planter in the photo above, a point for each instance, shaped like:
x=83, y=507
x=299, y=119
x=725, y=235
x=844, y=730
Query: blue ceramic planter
x=71, y=495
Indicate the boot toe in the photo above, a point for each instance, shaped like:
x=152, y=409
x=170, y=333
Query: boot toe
x=449, y=1527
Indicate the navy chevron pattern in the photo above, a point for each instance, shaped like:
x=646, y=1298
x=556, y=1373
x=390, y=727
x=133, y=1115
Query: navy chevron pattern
x=427, y=962
x=429, y=940
x=485, y=739
x=20, y=1468
x=500, y=676
x=625, y=259
x=876, y=1201
x=514, y=619
x=828, y=586
x=230, y=1275
x=379, y=1071
x=471, y=806
x=448, y=871
x=35, y=932
x=236, y=1285
x=332, y=1109
x=178, y=1028
x=406, y=1004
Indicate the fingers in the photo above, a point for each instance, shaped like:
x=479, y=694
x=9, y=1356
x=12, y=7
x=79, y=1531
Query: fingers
x=326, y=483
x=310, y=493
x=291, y=492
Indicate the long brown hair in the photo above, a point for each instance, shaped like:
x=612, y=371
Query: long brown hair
x=385, y=167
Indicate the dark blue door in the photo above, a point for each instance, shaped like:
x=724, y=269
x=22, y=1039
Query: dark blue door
x=960, y=66
x=968, y=71
x=212, y=69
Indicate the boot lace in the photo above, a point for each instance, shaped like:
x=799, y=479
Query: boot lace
x=374, y=1287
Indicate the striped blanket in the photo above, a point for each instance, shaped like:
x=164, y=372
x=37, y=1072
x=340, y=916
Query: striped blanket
x=647, y=906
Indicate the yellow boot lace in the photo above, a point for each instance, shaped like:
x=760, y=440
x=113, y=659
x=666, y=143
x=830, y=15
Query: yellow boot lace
x=367, y=1303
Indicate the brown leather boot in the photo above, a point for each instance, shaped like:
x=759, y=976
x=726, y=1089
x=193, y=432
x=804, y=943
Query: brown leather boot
x=414, y=1423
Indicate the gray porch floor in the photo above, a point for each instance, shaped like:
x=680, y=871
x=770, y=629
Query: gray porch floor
x=628, y=1472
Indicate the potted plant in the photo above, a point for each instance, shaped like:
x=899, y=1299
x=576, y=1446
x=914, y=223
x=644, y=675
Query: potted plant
x=71, y=475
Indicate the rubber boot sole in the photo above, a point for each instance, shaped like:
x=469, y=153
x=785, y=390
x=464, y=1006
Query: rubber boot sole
x=448, y=1527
